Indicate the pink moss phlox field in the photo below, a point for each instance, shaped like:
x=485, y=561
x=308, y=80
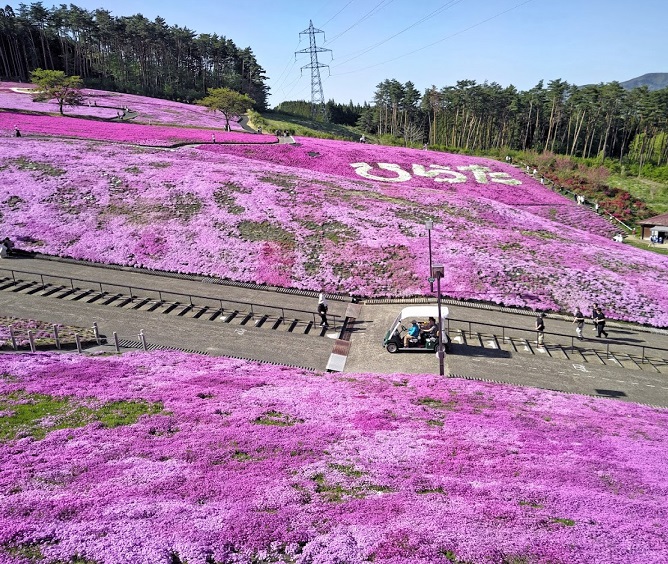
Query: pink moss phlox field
x=120, y=132
x=476, y=178
x=246, y=462
x=18, y=96
x=156, y=111
x=102, y=104
x=346, y=217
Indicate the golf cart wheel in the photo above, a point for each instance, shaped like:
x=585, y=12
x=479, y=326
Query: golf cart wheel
x=392, y=347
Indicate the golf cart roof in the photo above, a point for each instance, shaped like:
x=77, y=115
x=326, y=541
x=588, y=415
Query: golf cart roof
x=423, y=311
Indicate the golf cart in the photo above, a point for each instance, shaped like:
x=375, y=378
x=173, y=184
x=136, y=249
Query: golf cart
x=394, y=338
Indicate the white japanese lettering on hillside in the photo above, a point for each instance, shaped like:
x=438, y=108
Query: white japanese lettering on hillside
x=363, y=170
x=440, y=173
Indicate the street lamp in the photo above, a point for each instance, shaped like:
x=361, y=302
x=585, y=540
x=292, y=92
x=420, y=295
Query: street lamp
x=437, y=272
x=429, y=225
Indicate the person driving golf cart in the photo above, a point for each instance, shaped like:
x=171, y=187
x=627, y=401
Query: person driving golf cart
x=429, y=329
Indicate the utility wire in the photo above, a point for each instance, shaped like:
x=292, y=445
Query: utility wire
x=366, y=50
x=286, y=71
x=337, y=13
x=321, y=9
x=438, y=41
x=363, y=18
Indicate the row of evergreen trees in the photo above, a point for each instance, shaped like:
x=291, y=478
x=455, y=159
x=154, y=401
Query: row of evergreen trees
x=126, y=54
x=603, y=120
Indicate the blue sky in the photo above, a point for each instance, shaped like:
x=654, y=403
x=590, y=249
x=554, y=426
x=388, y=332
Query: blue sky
x=515, y=42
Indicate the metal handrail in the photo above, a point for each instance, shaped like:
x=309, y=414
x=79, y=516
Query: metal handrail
x=252, y=306
x=570, y=337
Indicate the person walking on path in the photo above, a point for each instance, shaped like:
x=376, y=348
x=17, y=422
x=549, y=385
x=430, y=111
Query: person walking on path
x=17, y=131
x=600, y=323
x=540, y=329
x=322, y=310
x=579, y=320
x=593, y=315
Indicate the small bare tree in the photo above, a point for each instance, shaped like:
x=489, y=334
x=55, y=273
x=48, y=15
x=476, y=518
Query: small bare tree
x=412, y=133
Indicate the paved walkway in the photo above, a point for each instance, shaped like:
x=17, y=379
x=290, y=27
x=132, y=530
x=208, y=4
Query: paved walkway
x=215, y=338
x=366, y=353
x=535, y=370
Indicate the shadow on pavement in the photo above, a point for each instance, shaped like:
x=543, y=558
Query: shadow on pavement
x=610, y=393
x=357, y=326
x=468, y=350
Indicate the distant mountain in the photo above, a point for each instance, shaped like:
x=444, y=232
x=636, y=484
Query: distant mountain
x=653, y=81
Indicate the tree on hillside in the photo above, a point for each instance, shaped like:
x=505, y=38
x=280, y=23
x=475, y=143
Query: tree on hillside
x=227, y=102
x=56, y=85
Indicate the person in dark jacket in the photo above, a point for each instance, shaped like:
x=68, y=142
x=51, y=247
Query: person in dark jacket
x=600, y=323
x=540, y=329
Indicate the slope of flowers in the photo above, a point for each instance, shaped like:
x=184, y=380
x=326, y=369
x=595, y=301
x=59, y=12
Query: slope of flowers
x=156, y=111
x=474, y=178
x=102, y=104
x=247, y=463
x=121, y=132
x=18, y=96
x=502, y=236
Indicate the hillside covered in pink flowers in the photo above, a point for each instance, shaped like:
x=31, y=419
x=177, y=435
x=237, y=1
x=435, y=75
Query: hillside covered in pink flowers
x=345, y=217
x=157, y=458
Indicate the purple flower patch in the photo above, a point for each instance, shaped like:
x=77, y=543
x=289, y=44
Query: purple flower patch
x=233, y=461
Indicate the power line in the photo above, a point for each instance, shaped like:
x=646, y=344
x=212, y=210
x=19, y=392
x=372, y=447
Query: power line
x=286, y=71
x=357, y=54
x=291, y=62
x=363, y=18
x=337, y=13
x=438, y=41
x=317, y=96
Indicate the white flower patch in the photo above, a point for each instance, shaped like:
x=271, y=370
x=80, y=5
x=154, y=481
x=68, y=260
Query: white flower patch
x=363, y=170
x=440, y=173
x=437, y=173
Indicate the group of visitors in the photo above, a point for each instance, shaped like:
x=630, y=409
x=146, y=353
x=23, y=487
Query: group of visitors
x=597, y=316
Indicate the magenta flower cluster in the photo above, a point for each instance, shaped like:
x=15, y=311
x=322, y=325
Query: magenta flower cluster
x=121, y=132
x=250, y=463
x=102, y=104
x=343, y=216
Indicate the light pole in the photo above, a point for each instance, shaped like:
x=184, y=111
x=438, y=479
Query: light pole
x=429, y=225
x=437, y=271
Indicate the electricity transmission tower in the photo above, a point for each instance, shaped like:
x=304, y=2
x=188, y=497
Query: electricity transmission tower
x=317, y=97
